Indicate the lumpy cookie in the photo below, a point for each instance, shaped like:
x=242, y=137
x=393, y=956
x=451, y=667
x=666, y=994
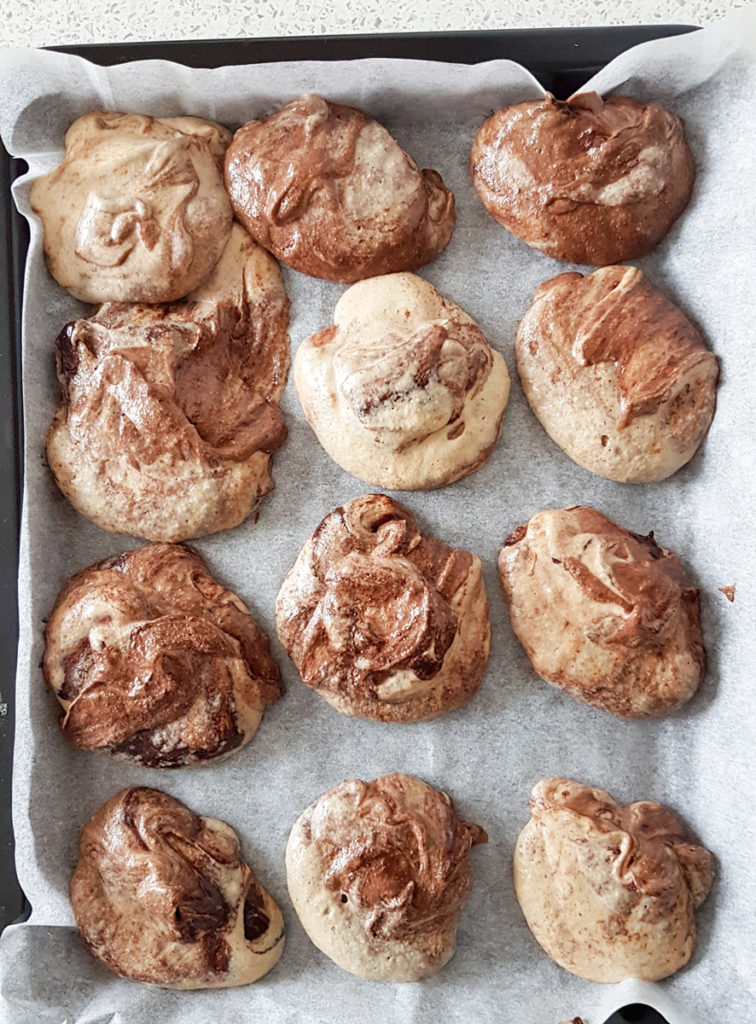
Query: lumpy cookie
x=382, y=620
x=152, y=659
x=609, y=891
x=137, y=211
x=378, y=873
x=169, y=414
x=587, y=180
x=616, y=374
x=161, y=895
x=403, y=391
x=606, y=615
x=329, y=192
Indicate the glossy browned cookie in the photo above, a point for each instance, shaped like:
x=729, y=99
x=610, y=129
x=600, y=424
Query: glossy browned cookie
x=384, y=621
x=329, y=192
x=169, y=414
x=162, y=896
x=606, y=615
x=587, y=180
x=617, y=375
x=379, y=872
x=154, y=660
x=609, y=891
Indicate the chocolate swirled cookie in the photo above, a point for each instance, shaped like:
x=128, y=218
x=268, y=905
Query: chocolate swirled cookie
x=169, y=414
x=616, y=374
x=137, y=211
x=403, y=391
x=382, y=620
x=329, y=192
x=162, y=896
x=606, y=615
x=589, y=180
x=609, y=891
x=378, y=873
x=152, y=659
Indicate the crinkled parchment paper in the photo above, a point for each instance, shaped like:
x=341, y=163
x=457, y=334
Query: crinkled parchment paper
x=518, y=729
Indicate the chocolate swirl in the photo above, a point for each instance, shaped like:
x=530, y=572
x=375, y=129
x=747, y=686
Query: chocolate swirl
x=382, y=620
x=154, y=660
x=158, y=893
x=587, y=180
x=391, y=858
x=329, y=192
x=169, y=414
x=633, y=876
x=137, y=211
x=605, y=614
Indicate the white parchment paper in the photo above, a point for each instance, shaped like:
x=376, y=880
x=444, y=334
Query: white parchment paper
x=518, y=729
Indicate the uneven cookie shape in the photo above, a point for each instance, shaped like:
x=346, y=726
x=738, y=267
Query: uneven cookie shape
x=378, y=873
x=169, y=414
x=587, y=180
x=329, y=192
x=382, y=620
x=615, y=373
x=609, y=891
x=154, y=660
x=606, y=615
x=403, y=391
x=137, y=211
x=162, y=896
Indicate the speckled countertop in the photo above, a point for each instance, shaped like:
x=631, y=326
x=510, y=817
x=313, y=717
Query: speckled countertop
x=51, y=22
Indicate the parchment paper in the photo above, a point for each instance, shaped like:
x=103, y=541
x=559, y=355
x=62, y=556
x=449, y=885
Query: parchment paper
x=518, y=729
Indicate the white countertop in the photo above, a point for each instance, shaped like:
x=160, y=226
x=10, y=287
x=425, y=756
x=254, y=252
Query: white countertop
x=51, y=22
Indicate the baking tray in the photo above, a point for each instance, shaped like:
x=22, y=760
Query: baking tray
x=561, y=58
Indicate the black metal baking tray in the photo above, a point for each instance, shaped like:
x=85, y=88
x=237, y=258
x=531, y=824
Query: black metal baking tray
x=561, y=58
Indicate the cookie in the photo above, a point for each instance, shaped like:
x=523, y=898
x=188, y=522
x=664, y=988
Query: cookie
x=403, y=391
x=162, y=896
x=589, y=180
x=609, y=891
x=137, y=210
x=606, y=615
x=382, y=620
x=616, y=374
x=378, y=873
x=169, y=414
x=154, y=660
x=329, y=192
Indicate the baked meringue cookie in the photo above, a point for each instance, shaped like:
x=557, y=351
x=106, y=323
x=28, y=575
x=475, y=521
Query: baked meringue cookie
x=169, y=414
x=137, y=211
x=382, y=620
x=378, y=873
x=403, y=391
x=153, y=660
x=609, y=891
x=329, y=192
x=587, y=180
x=616, y=374
x=606, y=615
x=162, y=896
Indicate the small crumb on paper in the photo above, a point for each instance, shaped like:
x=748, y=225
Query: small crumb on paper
x=574, y=1020
x=729, y=593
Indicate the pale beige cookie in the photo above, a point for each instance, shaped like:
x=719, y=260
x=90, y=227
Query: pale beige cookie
x=137, y=211
x=403, y=391
x=162, y=896
x=154, y=660
x=384, y=621
x=606, y=615
x=329, y=192
x=609, y=891
x=378, y=873
x=616, y=374
x=588, y=180
x=169, y=414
